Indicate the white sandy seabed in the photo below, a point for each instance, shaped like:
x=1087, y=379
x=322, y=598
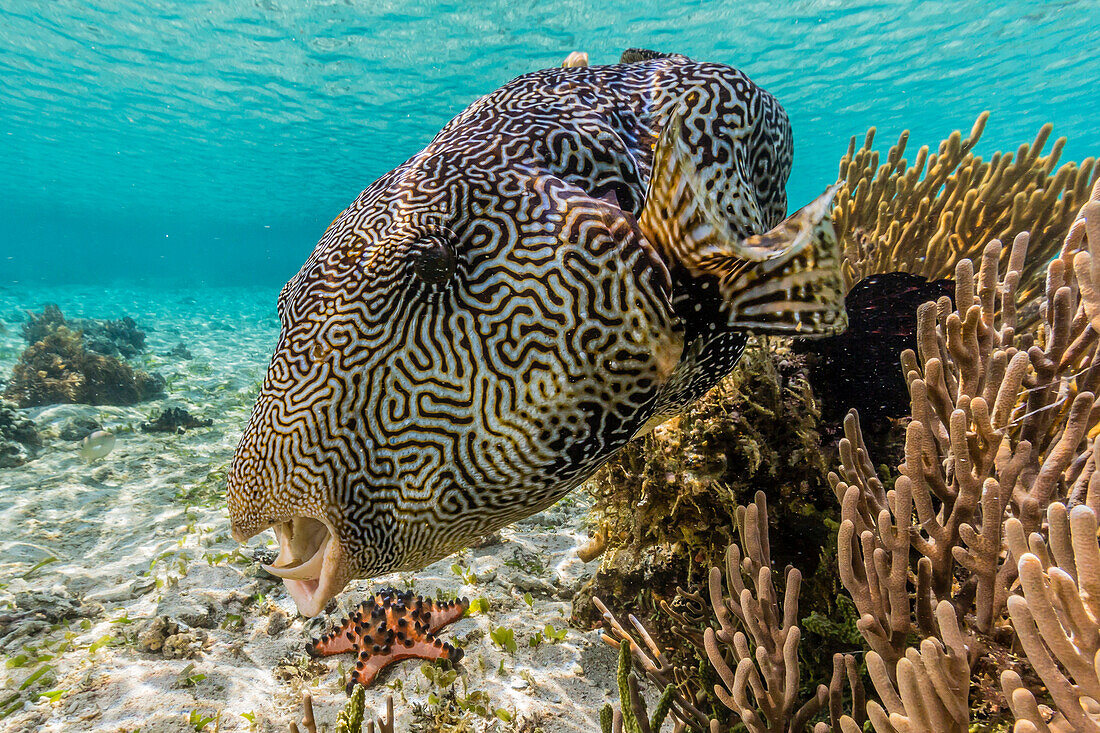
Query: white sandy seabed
x=91, y=553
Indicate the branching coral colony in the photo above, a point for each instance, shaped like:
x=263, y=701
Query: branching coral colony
x=985, y=545
x=925, y=217
x=664, y=503
x=750, y=640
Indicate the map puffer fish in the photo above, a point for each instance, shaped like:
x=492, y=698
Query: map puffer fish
x=571, y=260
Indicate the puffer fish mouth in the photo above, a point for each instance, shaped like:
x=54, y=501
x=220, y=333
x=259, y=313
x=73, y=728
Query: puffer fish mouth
x=309, y=561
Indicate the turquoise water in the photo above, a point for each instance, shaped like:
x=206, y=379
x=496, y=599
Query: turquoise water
x=212, y=142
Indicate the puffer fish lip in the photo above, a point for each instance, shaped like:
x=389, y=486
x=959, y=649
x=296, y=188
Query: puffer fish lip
x=308, y=569
x=310, y=562
x=311, y=596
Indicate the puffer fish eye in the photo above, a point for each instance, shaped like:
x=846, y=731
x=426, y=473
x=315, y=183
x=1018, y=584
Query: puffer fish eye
x=434, y=259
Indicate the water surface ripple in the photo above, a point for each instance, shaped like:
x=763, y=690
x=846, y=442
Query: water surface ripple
x=217, y=138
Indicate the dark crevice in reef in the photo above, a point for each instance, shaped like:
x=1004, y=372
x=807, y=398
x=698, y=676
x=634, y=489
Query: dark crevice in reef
x=860, y=368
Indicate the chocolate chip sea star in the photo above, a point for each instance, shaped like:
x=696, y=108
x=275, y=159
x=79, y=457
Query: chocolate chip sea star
x=390, y=627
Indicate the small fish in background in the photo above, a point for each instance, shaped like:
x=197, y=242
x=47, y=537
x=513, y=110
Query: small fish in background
x=574, y=259
x=96, y=445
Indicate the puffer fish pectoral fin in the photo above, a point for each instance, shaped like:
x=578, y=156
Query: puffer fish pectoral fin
x=789, y=280
x=698, y=214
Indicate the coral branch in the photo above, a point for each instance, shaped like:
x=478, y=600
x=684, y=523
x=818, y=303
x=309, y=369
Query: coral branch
x=925, y=217
x=750, y=629
x=1057, y=619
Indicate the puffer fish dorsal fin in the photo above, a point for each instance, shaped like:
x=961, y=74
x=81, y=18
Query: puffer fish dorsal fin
x=784, y=281
x=632, y=55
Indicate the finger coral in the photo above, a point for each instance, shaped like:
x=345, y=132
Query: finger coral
x=944, y=207
x=969, y=575
x=1000, y=429
x=1057, y=618
x=750, y=639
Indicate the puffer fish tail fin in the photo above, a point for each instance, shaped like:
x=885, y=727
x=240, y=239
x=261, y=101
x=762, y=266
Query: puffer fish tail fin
x=786, y=281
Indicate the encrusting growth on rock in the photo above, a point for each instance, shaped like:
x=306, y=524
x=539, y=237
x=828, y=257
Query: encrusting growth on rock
x=19, y=439
x=120, y=337
x=665, y=505
x=388, y=628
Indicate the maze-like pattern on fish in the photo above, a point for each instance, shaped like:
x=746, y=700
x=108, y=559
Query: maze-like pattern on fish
x=485, y=325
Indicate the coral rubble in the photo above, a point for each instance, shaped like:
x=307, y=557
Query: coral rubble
x=175, y=420
x=19, y=438
x=59, y=368
x=390, y=627
x=171, y=638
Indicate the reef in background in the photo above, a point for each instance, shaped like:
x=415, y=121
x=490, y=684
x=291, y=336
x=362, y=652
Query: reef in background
x=60, y=368
x=119, y=337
